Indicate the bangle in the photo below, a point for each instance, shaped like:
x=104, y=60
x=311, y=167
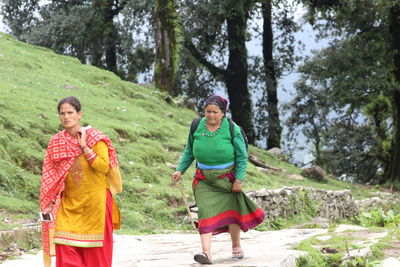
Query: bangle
x=89, y=156
x=238, y=181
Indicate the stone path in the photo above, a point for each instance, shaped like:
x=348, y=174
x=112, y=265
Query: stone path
x=272, y=249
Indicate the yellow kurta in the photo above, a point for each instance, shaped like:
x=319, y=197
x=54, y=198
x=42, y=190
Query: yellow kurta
x=81, y=217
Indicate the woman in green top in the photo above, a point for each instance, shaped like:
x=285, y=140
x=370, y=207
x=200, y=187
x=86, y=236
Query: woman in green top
x=221, y=165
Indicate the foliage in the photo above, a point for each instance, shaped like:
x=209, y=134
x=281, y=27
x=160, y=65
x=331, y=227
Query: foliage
x=167, y=41
x=341, y=244
x=146, y=131
x=19, y=15
x=379, y=217
x=352, y=82
x=120, y=36
x=88, y=30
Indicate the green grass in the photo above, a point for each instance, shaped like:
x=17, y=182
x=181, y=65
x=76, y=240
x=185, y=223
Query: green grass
x=346, y=241
x=137, y=119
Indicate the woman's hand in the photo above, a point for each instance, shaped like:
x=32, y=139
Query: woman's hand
x=237, y=186
x=82, y=137
x=176, y=176
x=48, y=210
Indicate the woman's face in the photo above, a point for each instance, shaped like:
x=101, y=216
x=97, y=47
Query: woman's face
x=69, y=117
x=213, y=115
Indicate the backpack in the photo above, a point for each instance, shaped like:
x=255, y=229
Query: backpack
x=196, y=121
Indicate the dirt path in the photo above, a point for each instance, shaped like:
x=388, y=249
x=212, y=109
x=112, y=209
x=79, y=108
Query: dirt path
x=261, y=249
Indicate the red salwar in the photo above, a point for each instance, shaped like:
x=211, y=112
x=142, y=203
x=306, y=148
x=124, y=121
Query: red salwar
x=69, y=256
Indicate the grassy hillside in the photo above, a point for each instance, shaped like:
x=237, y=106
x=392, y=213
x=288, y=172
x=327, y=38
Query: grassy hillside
x=146, y=131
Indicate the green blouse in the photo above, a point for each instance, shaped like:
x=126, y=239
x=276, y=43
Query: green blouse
x=216, y=149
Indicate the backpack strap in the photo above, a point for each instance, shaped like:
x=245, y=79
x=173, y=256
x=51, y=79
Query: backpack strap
x=231, y=129
x=193, y=126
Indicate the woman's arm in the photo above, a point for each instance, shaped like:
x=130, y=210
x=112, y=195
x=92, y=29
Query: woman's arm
x=99, y=161
x=187, y=156
x=240, y=156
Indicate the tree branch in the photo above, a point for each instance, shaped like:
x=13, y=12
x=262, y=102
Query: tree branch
x=253, y=159
x=215, y=71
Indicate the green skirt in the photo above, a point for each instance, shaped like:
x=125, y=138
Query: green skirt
x=219, y=207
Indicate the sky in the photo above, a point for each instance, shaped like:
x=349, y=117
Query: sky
x=2, y=26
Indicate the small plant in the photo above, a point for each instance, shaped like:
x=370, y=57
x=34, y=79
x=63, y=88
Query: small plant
x=379, y=218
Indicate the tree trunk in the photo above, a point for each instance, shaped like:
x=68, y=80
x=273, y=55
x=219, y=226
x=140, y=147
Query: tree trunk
x=236, y=74
x=110, y=34
x=166, y=45
x=111, y=49
x=96, y=34
x=395, y=32
x=274, y=128
x=103, y=35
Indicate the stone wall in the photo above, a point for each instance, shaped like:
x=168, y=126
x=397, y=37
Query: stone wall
x=288, y=201
x=14, y=242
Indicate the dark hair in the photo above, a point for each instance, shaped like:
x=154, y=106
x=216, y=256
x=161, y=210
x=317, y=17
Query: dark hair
x=218, y=101
x=73, y=101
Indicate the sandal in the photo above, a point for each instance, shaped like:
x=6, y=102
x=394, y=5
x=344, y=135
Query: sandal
x=237, y=253
x=202, y=258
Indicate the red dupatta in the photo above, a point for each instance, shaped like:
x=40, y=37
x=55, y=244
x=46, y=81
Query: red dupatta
x=62, y=151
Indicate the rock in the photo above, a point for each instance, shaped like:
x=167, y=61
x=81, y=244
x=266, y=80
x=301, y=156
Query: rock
x=317, y=222
x=285, y=202
x=346, y=227
x=315, y=172
x=264, y=170
x=42, y=116
x=277, y=152
x=329, y=250
x=324, y=238
x=390, y=262
x=147, y=85
x=169, y=99
x=185, y=102
x=170, y=165
x=169, y=115
x=372, y=202
x=266, y=248
x=357, y=253
x=69, y=86
x=290, y=261
x=295, y=177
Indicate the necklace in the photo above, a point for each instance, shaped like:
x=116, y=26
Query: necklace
x=210, y=135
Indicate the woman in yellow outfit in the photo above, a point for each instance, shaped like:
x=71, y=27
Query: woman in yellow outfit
x=80, y=175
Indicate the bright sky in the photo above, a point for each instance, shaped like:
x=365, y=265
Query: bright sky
x=2, y=26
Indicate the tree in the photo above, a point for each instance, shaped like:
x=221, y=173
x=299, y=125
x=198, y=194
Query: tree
x=19, y=15
x=104, y=33
x=394, y=29
x=309, y=110
x=235, y=75
x=273, y=69
x=85, y=29
x=274, y=128
x=208, y=40
x=166, y=38
x=356, y=72
x=341, y=112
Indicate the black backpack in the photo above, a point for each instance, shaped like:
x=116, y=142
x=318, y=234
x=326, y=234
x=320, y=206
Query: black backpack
x=196, y=121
